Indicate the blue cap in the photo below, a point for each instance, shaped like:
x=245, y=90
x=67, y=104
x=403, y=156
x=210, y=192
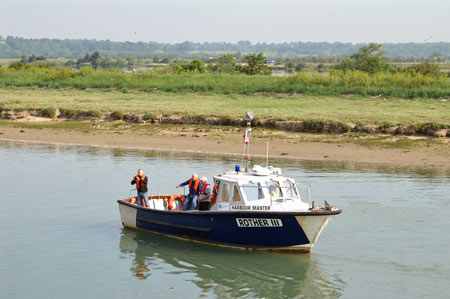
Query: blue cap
x=237, y=168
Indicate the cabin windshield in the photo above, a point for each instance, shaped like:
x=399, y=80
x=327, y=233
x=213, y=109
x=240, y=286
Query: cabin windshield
x=253, y=191
x=274, y=189
x=282, y=189
x=289, y=189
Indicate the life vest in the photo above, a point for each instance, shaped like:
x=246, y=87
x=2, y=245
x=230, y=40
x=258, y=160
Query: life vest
x=214, y=194
x=197, y=181
x=140, y=182
x=134, y=200
x=202, y=191
x=172, y=198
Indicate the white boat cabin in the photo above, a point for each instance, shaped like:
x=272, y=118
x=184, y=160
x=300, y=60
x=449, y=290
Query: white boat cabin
x=262, y=189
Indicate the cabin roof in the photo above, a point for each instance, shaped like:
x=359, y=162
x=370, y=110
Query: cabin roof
x=245, y=177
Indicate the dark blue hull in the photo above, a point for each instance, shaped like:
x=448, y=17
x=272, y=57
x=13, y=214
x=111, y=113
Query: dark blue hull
x=258, y=230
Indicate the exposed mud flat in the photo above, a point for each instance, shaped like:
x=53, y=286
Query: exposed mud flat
x=307, y=126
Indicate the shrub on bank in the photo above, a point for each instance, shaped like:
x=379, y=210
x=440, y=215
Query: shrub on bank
x=149, y=117
x=116, y=115
x=429, y=128
x=93, y=113
x=59, y=73
x=71, y=113
x=48, y=112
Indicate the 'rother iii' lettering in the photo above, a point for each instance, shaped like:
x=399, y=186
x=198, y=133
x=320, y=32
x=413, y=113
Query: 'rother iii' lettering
x=258, y=222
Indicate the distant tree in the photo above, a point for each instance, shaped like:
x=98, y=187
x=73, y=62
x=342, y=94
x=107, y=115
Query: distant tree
x=69, y=62
x=94, y=59
x=368, y=59
x=107, y=63
x=255, y=64
x=225, y=64
x=436, y=57
x=24, y=58
x=165, y=60
x=198, y=65
x=32, y=58
x=425, y=68
x=289, y=64
x=83, y=60
x=195, y=66
x=320, y=67
x=244, y=44
x=131, y=61
x=120, y=62
x=300, y=66
x=156, y=59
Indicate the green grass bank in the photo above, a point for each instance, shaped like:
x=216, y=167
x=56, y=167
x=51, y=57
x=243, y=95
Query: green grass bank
x=418, y=115
x=399, y=85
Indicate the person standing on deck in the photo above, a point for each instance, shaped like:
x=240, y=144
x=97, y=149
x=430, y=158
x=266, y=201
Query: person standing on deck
x=194, y=190
x=204, y=198
x=141, y=181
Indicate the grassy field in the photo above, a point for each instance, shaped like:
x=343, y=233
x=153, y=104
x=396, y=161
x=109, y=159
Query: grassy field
x=356, y=109
x=399, y=85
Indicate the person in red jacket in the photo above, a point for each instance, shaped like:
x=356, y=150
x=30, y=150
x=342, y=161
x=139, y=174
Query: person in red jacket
x=204, y=198
x=141, y=181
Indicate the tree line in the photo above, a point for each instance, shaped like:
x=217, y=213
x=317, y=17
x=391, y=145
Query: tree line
x=15, y=47
x=369, y=59
x=253, y=64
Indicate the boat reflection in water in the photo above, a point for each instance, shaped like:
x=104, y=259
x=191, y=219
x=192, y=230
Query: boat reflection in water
x=225, y=272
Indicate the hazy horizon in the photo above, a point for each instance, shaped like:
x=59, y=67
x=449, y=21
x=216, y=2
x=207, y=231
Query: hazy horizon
x=201, y=42
x=176, y=21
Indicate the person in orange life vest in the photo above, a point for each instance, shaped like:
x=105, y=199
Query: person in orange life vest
x=194, y=190
x=141, y=185
x=204, y=198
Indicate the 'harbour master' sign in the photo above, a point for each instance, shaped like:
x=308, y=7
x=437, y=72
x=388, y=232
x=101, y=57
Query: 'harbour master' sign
x=250, y=208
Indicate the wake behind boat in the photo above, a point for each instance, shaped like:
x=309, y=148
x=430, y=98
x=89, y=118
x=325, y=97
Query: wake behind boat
x=255, y=208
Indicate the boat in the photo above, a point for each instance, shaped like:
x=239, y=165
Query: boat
x=256, y=208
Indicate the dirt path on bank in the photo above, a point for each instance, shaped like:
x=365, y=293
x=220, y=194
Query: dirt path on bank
x=229, y=142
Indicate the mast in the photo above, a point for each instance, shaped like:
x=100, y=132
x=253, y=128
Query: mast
x=249, y=115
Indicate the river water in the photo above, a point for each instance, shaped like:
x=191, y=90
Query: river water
x=61, y=235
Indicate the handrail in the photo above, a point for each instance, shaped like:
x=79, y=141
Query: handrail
x=308, y=193
x=129, y=194
x=157, y=193
x=158, y=189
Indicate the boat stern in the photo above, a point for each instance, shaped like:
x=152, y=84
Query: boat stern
x=128, y=215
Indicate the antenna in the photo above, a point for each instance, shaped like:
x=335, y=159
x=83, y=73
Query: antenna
x=249, y=115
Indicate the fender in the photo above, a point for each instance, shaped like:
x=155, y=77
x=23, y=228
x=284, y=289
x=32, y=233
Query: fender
x=172, y=198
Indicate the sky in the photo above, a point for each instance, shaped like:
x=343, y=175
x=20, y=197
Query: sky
x=270, y=21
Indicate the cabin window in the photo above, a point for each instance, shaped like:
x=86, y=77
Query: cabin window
x=274, y=189
x=289, y=189
x=236, y=194
x=225, y=192
x=253, y=191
